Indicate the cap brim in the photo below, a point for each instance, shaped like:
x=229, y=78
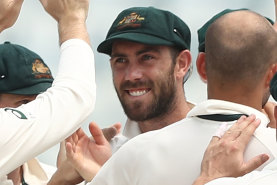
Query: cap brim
x=35, y=89
x=106, y=45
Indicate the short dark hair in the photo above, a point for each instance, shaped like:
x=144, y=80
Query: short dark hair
x=240, y=49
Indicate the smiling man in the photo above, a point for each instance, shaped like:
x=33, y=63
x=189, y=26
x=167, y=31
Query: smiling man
x=145, y=82
x=150, y=60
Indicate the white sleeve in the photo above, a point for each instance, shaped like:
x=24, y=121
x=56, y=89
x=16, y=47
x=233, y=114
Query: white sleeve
x=55, y=114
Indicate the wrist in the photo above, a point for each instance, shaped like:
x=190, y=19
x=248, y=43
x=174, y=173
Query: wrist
x=57, y=179
x=74, y=28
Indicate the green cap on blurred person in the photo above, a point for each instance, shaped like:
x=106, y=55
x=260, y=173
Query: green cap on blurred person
x=22, y=71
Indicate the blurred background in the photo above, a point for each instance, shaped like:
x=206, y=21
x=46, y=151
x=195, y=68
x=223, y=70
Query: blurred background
x=36, y=30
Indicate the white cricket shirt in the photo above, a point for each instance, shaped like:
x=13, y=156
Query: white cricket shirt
x=173, y=155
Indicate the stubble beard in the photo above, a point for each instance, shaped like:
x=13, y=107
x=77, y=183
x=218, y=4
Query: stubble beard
x=164, y=92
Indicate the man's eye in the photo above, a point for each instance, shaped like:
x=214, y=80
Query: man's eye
x=24, y=101
x=147, y=57
x=120, y=60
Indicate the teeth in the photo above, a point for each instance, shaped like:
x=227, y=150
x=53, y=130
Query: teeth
x=137, y=93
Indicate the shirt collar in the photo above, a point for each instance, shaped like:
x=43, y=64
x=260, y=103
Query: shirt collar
x=224, y=107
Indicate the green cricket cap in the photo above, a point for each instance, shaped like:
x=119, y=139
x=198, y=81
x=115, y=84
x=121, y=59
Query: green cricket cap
x=147, y=25
x=202, y=31
x=273, y=87
x=22, y=71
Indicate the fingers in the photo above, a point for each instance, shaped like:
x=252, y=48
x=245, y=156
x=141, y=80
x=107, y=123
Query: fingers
x=235, y=131
x=69, y=150
x=255, y=163
x=243, y=122
x=97, y=134
x=248, y=132
x=221, y=130
x=74, y=138
x=242, y=131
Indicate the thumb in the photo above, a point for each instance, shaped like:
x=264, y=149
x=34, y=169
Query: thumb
x=255, y=163
x=69, y=150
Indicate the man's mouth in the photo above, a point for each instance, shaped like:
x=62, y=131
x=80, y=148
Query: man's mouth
x=138, y=92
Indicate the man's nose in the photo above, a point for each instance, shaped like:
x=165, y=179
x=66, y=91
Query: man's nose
x=133, y=73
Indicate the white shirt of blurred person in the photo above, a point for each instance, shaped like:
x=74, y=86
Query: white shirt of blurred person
x=150, y=62
x=180, y=147
x=36, y=126
x=24, y=76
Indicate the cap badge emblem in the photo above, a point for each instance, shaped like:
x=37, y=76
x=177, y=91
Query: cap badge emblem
x=133, y=20
x=40, y=70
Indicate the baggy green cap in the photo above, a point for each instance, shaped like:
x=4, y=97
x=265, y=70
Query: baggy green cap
x=147, y=25
x=22, y=71
x=202, y=31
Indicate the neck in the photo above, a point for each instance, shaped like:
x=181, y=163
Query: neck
x=16, y=175
x=175, y=114
x=253, y=98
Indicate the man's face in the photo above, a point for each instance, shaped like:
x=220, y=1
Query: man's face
x=14, y=100
x=144, y=79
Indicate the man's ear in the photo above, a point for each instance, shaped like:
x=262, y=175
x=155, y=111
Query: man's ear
x=201, y=66
x=271, y=73
x=183, y=63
